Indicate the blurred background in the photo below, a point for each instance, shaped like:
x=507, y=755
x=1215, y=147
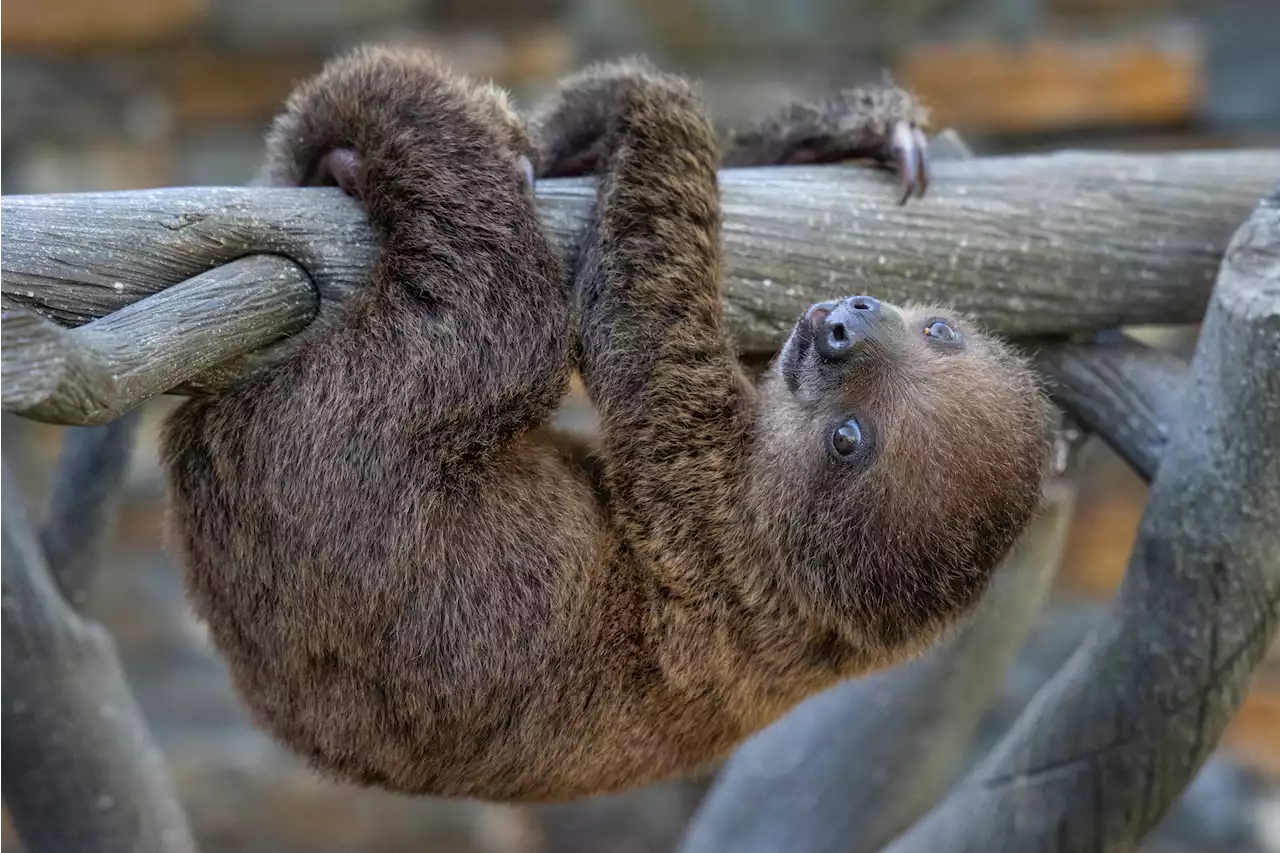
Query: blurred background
x=126, y=94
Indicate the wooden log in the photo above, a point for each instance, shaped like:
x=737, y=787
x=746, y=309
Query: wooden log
x=1126, y=392
x=94, y=373
x=1040, y=244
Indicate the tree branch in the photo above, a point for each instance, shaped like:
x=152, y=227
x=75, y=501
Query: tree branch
x=82, y=515
x=80, y=772
x=1032, y=245
x=1124, y=391
x=1113, y=739
x=94, y=373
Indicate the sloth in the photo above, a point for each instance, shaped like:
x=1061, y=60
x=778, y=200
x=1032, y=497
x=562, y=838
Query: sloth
x=420, y=585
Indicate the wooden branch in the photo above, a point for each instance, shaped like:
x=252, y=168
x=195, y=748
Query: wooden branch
x=87, y=488
x=851, y=768
x=1126, y=392
x=1067, y=242
x=94, y=373
x=1113, y=739
x=80, y=772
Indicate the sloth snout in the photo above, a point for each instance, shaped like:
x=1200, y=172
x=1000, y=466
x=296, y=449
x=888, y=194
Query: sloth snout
x=847, y=323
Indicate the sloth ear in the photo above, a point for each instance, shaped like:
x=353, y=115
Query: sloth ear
x=338, y=168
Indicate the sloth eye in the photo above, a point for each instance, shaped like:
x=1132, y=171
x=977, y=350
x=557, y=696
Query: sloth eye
x=941, y=332
x=847, y=438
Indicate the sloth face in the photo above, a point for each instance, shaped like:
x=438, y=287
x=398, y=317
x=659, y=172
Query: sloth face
x=902, y=452
x=879, y=383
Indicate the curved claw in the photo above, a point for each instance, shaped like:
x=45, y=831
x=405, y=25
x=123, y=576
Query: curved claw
x=338, y=167
x=344, y=167
x=908, y=149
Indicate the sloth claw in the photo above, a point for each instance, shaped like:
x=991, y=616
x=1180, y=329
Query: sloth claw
x=908, y=149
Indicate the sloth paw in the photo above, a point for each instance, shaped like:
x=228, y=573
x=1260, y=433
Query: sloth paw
x=907, y=150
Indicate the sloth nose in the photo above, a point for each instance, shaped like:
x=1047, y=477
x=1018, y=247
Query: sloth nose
x=868, y=306
x=847, y=323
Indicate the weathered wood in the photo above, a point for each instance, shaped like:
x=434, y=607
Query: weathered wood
x=1113, y=739
x=851, y=768
x=80, y=771
x=87, y=487
x=1044, y=244
x=1126, y=392
x=92, y=374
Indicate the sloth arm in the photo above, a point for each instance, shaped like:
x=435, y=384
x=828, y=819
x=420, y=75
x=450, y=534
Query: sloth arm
x=673, y=402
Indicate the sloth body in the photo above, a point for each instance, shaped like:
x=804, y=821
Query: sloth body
x=420, y=585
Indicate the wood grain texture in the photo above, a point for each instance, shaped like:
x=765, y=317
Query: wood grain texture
x=1065, y=242
x=1126, y=392
x=94, y=373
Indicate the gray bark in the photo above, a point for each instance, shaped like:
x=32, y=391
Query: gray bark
x=80, y=772
x=1113, y=739
x=95, y=373
x=1068, y=242
x=87, y=489
x=1126, y=392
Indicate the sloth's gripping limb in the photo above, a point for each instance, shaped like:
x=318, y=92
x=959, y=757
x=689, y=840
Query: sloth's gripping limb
x=673, y=402
x=883, y=123
x=365, y=525
x=480, y=316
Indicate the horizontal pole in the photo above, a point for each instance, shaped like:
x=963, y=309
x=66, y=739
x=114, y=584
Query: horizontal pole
x=1046, y=244
x=1072, y=241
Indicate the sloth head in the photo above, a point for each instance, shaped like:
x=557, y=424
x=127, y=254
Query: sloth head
x=900, y=454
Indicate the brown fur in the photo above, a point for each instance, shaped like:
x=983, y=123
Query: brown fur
x=419, y=586
x=848, y=125
x=880, y=123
